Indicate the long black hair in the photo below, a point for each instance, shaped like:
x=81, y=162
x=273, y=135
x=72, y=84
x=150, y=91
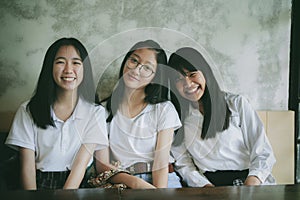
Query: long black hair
x=216, y=111
x=156, y=91
x=45, y=93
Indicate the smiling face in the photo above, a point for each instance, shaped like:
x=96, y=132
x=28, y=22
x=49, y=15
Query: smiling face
x=145, y=60
x=67, y=68
x=191, y=86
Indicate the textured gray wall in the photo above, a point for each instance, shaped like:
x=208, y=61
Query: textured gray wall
x=247, y=41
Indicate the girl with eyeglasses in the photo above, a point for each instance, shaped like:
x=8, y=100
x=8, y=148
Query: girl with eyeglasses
x=222, y=141
x=141, y=121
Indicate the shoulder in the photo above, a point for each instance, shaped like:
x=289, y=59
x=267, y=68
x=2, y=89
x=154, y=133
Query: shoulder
x=85, y=107
x=235, y=100
x=161, y=109
x=238, y=103
x=22, y=116
x=166, y=111
x=23, y=107
x=166, y=105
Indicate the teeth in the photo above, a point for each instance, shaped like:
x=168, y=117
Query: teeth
x=68, y=78
x=192, y=90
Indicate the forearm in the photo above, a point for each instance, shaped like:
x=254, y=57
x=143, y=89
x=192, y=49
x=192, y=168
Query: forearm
x=160, y=178
x=75, y=177
x=27, y=169
x=160, y=167
x=102, y=161
x=185, y=166
x=261, y=163
x=28, y=179
x=102, y=165
x=194, y=178
x=79, y=166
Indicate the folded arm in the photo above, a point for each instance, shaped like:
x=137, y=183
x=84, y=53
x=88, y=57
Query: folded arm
x=102, y=165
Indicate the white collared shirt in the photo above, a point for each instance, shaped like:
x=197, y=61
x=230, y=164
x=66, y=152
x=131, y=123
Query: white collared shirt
x=244, y=145
x=134, y=139
x=56, y=147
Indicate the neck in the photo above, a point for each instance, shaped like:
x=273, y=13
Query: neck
x=133, y=102
x=199, y=105
x=65, y=104
x=134, y=96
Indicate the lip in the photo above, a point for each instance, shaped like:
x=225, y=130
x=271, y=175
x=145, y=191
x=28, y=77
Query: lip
x=131, y=77
x=193, y=90
x=68, y=78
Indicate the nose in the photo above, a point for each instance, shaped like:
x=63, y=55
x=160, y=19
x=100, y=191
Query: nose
x=137, y=69
x=68, y=68
x=188, y=82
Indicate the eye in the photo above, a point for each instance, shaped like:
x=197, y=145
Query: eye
x=133, y=60
x=77, y=63
x=59, y=62
x=147, y=68
x=193, y=74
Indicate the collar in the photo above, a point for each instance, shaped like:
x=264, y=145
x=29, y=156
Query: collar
x=80, y=111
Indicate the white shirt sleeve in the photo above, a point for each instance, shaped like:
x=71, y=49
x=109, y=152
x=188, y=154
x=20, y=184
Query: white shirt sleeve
x=168, y=117
x=96, y=130
x=22, y=132
x=262, y=157
x=185, y=166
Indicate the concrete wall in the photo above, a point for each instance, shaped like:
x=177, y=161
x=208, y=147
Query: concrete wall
x=247, y=41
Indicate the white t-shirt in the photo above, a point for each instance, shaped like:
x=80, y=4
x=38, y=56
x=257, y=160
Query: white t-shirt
x=134, y=139
x=244, y=145
x=56, y=147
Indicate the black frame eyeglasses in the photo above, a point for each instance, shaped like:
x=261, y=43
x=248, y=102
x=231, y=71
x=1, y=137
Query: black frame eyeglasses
x=145, y=70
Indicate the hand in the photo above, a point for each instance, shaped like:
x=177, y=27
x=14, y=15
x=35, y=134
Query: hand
x=252, y=180
x=208, y=185
x=131, y=181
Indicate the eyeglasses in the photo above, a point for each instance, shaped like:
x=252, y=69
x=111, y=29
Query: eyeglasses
x=145, y=70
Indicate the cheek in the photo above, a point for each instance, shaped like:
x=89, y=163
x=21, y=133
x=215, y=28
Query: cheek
x=145, y=81
x=125, y=73
x=55, y=72
x=202, y=79
x=57, y=69
x=80, y=74
x=179, y=88
x=150, y=79
x=203, y=83
x=54, y=69
x=125, y=70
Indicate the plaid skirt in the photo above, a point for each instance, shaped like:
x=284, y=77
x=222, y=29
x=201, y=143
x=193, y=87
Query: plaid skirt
x=54, y=180
x=227, y=177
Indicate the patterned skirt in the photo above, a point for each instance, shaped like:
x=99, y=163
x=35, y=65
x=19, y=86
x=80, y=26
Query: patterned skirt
x=54, y=180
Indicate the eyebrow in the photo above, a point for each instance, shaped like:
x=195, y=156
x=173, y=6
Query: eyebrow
x=140, y=58
x=66, y=59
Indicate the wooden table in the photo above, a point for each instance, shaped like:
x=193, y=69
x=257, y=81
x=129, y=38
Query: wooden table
x=232, y=192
